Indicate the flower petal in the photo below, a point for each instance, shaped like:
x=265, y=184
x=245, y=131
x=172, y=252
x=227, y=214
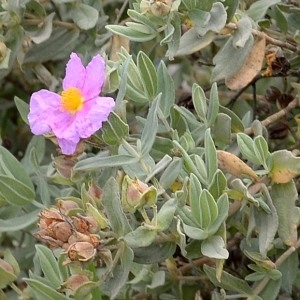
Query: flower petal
x=44, y=106
x=94, y=78
x=94, y=113
x=68, y=147
x=75, y=73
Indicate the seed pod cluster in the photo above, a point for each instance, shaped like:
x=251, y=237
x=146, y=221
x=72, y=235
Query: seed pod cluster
x=75, y=233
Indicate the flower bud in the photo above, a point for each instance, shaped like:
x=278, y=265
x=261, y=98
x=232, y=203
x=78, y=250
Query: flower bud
x=66, y=206
x=3, y=51
x=7, y=272
x=136, y=194
x=77, y=285
x=145, y=6
x=161, y=8
x=6, y=266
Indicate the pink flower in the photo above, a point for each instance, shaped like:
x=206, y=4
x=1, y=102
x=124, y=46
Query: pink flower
x=78, y=112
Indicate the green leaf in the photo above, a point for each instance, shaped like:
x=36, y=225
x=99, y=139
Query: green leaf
x=195, y=190
x=231, y=6
x=114, y=129
x=61, y=41
x=15, y=192
x=236, y=123
x=140, y=18
x=208, y=210
x=154, y=253
x=42, y=33
x=173, y=29
x=199, y=17
x=165, y=215
x=285, y=166
x=246, y=146
x=142, y=33
x=158, y=279
x=267, y=224
x=150, y=129
x=49, y=265
x=191, y=42
x=11, y=167
x=223, y=207
x=230, y=59
x=216, y=21
x=214, y=247
x=23, y=108
x=165, y=86
x=96, y=162
x=213, y=106
x=218, y=184
x=19, y=223
x=271, y=291
x=120, y=273
x=171, y=173
x=221, y=131
x=289, y=271
x=112, y=205
x=228, y=282
x=43, y=291
x=148, y=73
x=261, y=150
x=85, y=16
x=199, y=102
x=162, y=164
x=41, y=180
x=195, y=233
x=210, y=155
x=284, y=196
x=243, y=32
x=188, y=162
x=258, y=9
x=140, y=237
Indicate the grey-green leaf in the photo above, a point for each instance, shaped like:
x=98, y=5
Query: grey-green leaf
x=112, y=205
x=49, y=265
x=85, y=16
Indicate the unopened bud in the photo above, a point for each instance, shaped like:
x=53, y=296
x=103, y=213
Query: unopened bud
x=161, y=8
x=3, y=51
x=78, y=285
x=136, y=194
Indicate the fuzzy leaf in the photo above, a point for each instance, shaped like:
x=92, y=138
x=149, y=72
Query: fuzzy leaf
x=214, y=247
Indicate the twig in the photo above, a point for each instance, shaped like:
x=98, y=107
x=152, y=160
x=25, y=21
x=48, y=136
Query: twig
x=273, y=118
x=120, y=12
x=267, y=37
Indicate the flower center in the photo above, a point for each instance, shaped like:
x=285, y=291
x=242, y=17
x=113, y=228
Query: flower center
x=72, y=100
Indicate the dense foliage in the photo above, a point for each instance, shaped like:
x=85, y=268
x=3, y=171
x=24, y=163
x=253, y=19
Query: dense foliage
x=190, y=188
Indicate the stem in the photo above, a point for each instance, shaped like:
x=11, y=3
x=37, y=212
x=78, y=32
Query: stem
x=16, y=289
x=120, y=12
x=145, y=216
x=278, y=262
x=267, y=37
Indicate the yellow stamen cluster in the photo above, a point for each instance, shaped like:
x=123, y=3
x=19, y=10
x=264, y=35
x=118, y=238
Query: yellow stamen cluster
x=72, y=100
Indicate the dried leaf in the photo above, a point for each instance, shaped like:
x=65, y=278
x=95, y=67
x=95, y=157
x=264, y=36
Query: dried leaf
x=118, y=42
x=250, y=68
x=234, y=165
